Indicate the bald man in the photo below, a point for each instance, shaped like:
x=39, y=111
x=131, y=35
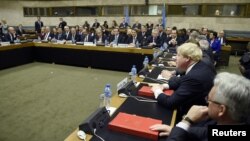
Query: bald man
x=11, y=35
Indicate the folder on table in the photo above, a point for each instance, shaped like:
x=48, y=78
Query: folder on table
x=135, y=125
x=146, y=91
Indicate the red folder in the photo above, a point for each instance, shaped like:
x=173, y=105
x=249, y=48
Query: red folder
x=146, y=91
x=134, y=125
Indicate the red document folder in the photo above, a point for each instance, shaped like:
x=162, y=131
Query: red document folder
x=146, y=91
x=134, y=125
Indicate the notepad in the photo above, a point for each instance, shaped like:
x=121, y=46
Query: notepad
x=146, y=91
x=135, y=125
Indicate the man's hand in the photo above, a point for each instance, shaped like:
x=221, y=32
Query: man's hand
x=198, y=113
x=165, y=130
x=157, y=89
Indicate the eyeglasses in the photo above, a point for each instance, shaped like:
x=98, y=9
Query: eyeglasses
x=209, y=100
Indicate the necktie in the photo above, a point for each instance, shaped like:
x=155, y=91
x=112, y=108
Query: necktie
x=134, y=40
x=153, y=39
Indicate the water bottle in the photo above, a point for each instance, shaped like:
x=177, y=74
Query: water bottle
x=145, y=62
x=133, y=73
x=95, y=41
x=155, y=55
x=107, y=96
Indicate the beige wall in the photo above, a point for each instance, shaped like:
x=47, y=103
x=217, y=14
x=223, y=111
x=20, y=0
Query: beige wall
x=12, y=11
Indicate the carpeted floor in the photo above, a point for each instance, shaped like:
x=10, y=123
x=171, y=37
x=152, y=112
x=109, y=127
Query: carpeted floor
x=46, y=102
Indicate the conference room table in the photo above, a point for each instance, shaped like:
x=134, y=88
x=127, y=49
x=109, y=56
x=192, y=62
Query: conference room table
x=110, y=58
x=118, y=102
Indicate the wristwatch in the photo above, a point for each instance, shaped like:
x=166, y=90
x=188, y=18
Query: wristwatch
x=186, y=118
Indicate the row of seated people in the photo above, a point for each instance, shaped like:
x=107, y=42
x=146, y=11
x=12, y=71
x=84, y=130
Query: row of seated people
x=156, y=37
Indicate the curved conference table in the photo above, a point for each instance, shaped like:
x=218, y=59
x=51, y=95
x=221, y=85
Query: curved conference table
x=110, y=58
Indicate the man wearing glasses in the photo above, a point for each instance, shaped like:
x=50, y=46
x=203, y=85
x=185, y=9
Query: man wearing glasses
x=228, y=104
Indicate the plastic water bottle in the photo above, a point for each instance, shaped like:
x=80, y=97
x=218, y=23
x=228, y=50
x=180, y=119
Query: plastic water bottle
x=145, y=62
x=95, y=41
x=107, y=96
x=155, y=55
x=133, y=73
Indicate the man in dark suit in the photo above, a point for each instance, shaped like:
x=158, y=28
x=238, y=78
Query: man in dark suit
x=73, y=36
x=48, y=35
x=136, y=25
x=20, y=31
x=228, y=104
x=134, y=41
x=154, y=40
x=124, y=24
x=62, y=23
x=60, y=35
x=117, y=38
x=11, y=35
x=96, y=24
x=222, y=38
x=193, y=87
x=38, y=25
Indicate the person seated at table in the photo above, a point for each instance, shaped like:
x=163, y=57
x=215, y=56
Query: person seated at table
x=117, y=38
x=11, y=36
x=66, y=32
x=73, y=36
x=154, y=40
x=20, y=31
x=60, y=35
x=48, y=35
x=134, y=41
x=192, y=87
x=100, y=38
x=228, y=104
x=86, y=36
x=175, y=40
x=215, y=45
x=41, y=34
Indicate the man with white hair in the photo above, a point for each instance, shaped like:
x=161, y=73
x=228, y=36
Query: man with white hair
x=11, y=35
x=192, y=88
x=228, y=104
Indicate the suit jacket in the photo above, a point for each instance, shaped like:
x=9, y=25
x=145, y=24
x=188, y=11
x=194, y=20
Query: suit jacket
x=121, y=39
x=89, y=37
x=196, y=132
x=191, y=90
x=62, y=24
x=158, y=41
x=123, y=25
x=96, y=25
x=8, y=38
x=76, y=38
x=138, y=26
x=60, y=36
x=222, y=40
x=179, y=42
x=38, y=26
x=20, y=32
x=130, y=40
